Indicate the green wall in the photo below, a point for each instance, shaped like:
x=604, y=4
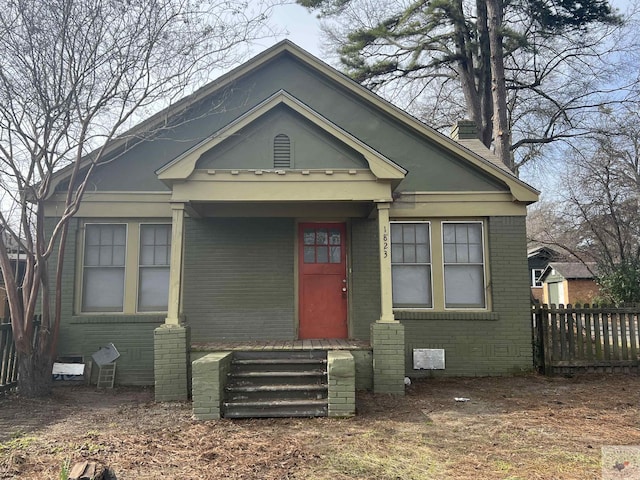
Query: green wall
x=239, y=279
x=85, y=334
x=492, y=343
x=365, y=277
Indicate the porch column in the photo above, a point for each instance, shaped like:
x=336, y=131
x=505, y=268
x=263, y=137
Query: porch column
x=387, y=334
x=384, y=235
x=175, y=267
x=171, y=340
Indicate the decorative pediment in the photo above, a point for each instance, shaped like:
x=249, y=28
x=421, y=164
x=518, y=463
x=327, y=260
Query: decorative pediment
x=354, y=153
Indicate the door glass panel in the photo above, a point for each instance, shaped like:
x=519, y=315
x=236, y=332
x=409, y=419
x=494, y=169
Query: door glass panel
x=334, y=253
x=309, y=255
x=321, y=236
x=322, y=255
x=334, y=237
x=309, y=236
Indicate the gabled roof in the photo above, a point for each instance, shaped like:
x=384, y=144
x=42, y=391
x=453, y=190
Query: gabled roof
x=571, y=270
x=545, y=251
x=520, y=190
x=182, y=166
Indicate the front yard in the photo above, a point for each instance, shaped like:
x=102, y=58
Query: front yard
x=527, y=427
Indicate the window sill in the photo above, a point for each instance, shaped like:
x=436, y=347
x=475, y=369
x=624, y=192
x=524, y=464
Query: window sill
x=116, y=318
x=431, y=315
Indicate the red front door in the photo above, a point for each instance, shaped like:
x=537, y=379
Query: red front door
x=323, y=280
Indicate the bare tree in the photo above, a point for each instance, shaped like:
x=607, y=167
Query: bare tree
x=596, y=214
x=74, y=74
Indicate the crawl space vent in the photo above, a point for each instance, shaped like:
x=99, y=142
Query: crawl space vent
x=428, y=358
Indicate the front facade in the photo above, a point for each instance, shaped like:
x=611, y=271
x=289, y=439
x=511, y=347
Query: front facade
x=286, y=203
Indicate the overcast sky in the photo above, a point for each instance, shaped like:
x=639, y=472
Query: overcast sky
x=302, y=27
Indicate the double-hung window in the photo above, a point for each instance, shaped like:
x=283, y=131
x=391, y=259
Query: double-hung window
x=104, y=267
x=463, y=265
x=153, y=278
x=411, y=265
x=438, y=265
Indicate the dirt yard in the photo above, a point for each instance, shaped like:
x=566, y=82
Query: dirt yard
x=511, y=428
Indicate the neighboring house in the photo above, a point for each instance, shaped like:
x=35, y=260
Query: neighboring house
x=18, y=264
x=538, y=258
x=289, y=203
x=569, y=283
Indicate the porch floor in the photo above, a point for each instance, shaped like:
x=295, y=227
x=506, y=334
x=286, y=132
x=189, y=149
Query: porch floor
x=320, y=344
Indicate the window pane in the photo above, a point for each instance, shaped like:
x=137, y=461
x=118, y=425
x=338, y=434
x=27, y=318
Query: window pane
x=334, y=237
x=322, y=255
x=106, y=254
x=153, y=290
x=448, y=233
x=450, y=253
x=409, y=254
x=309, y=236
x=396, y=233
x=422, y=254
x=119, y=235
x=321, y=236
x=335, y=254
x=411, y=285
x=106, y=235
x=118, y=255
x=461, y=233
x=146, y=256
x=103, y=289
x=462, y=253
x=92, y=235
x=92, y=255
x=422, y=233
x=475, y=253
x=475, y=233
x=396, y=253
x=147, y=235
x=409, y=233
x=309, y=255
x=464, y=286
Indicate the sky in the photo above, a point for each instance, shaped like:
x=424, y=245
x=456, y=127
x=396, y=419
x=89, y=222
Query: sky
x=302, y=28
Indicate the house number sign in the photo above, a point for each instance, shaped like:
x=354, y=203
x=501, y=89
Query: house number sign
x=385, y=242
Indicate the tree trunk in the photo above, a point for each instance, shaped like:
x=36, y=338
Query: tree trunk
x=501, y=129
x=34, y=374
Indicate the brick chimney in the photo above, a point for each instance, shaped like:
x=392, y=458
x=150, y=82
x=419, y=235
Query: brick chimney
x=464, y=130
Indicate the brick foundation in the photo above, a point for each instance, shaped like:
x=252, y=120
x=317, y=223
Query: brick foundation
x=387, y=341
x=171, y=357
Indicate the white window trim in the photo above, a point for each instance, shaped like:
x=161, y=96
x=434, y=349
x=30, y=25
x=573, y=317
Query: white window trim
x=535, y=277
x=431, y=265
x=484, y=268
x=83, y=266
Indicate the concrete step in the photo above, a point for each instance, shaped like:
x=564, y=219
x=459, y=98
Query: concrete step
x=277, y=384
x=276, y=392
x=280, y=354
x=278, y=364
x=281, y=408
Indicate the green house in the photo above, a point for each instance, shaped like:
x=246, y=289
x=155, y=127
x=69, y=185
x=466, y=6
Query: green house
x=285, y=207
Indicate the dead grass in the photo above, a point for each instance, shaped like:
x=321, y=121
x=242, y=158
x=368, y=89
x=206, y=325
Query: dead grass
x=512, y=428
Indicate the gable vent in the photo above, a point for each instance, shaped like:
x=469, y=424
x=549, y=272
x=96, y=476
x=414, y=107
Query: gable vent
x=281, y=151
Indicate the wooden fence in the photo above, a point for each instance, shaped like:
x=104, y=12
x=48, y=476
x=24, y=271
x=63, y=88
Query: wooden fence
x=569, y=338
x=8, y=364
